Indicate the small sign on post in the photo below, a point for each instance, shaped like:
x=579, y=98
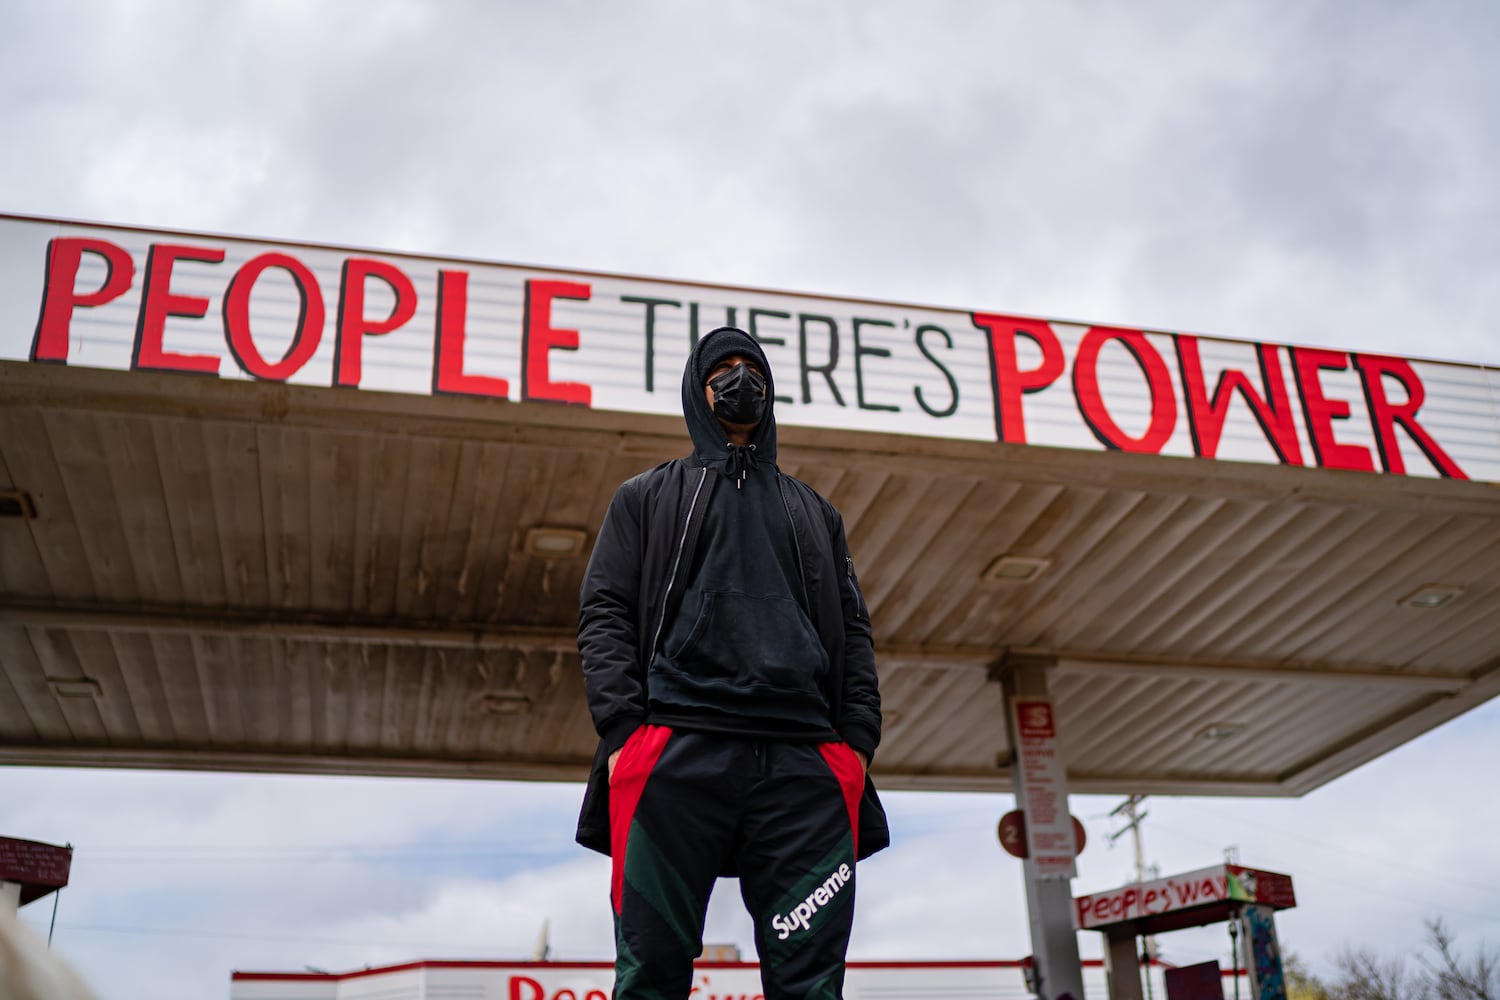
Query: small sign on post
x=1012, y=834
x=1042, y=781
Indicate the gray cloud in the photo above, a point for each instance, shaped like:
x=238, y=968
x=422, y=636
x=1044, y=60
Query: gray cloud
x=1297, y=172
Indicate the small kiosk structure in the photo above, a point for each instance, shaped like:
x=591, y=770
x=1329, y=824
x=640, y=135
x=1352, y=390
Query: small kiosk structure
x=1246, y=897
x=31, y=870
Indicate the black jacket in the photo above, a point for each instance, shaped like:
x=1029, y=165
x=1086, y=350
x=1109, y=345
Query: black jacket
x=633, y=586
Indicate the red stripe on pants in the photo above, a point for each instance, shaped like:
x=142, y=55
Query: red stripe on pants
x=846, y=767
x=637, y=758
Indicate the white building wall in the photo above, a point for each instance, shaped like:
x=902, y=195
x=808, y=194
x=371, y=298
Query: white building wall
x=593, y=980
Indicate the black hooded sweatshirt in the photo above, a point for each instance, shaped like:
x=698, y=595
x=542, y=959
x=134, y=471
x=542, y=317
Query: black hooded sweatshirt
x=741, y=654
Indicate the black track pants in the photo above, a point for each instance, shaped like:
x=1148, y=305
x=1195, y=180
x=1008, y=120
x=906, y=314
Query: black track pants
x=685, y=804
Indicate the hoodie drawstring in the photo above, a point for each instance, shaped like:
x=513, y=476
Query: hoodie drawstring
x=739, y=461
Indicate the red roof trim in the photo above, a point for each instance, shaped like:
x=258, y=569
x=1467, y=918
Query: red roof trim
x=297, y=977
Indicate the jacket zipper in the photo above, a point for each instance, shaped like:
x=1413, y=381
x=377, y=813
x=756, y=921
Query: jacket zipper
x=859, y=597
x=796, y=544
x=666, y=596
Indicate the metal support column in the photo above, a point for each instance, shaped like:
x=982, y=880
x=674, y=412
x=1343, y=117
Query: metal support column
x=1122, y=966
x=1049, y=898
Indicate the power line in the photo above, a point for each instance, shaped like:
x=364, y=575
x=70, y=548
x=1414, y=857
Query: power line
x=1345, y=850
x=541, y=856
x=400, y=846
x=537, y=848
x=1317, y=875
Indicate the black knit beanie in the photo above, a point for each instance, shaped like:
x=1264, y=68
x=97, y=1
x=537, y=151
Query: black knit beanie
x=721, y=343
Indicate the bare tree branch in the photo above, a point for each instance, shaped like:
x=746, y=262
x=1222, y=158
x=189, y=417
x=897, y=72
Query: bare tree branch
x=1363, y=975
x=1451, y=977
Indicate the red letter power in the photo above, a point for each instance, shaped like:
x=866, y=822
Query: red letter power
x=1320, y=411
x=1273, y=411
x=1384, y=415
x=1007, y=381
x=1091, y=402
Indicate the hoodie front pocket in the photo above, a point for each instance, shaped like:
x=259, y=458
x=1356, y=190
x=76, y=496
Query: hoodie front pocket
x=742, y=641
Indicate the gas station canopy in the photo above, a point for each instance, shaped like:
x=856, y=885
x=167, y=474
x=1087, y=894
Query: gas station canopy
x=295, y=508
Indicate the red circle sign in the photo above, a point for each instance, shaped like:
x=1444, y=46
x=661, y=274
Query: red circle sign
x=1012, y=833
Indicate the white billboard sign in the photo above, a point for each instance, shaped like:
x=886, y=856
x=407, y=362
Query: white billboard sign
x=222, y=307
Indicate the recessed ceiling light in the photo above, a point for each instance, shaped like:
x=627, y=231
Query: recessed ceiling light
x=1216, y=731
x=1016, y=569
x=75, y=687
x=555, y=543
x=1431, y=595
x=501, y=702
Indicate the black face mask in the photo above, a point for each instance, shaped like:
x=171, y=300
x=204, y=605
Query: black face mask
x=739, y=395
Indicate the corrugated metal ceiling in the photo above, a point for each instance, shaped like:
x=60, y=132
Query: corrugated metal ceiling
x=265, y=577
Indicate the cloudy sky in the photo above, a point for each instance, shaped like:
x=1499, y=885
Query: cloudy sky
x=1317, y=173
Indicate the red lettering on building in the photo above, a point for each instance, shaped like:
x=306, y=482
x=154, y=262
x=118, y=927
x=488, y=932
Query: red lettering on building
x=539, y=337
x=525, y=988
x=1008, y=382
x=1179, y=892
x=158, y=302
x=60, y=296
x=448, y=354
x=354, y=325
x=1199, y=890
x=1385, y=415
x=310, y=318
x=1091, y=401
x=1320, y=412
x=1206, y=414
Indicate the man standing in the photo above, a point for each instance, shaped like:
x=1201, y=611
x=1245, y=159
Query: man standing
x=730, y=673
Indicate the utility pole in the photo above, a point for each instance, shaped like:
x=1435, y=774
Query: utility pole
x=1131, y=809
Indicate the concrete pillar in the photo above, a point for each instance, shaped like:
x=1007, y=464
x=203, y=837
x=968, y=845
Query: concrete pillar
x=10, y=897
x=1049, y=898
x=1122, y=966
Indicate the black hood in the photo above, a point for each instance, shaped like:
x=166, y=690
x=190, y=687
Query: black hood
x=710, y=441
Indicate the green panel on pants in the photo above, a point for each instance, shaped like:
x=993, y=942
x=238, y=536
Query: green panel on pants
x=650, y=873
